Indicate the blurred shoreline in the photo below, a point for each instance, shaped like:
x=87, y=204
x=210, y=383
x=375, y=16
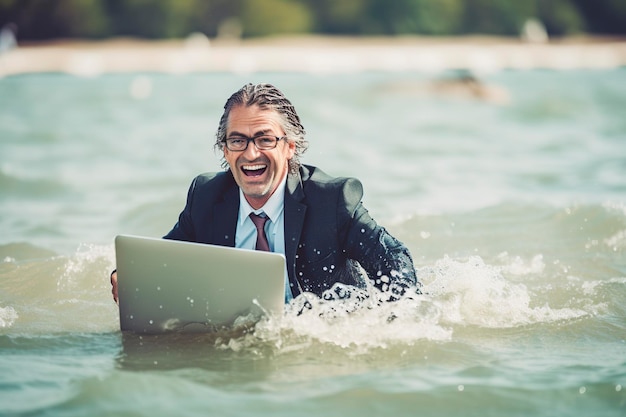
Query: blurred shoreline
x=311, y=54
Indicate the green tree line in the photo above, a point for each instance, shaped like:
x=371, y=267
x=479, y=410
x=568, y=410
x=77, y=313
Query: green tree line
x=161, y=19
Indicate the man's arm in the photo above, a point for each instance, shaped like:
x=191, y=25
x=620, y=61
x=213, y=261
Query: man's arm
x=183, y=229
x=386, y=260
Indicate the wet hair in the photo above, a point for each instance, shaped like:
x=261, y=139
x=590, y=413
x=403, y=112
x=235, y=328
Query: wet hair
x=267, y=97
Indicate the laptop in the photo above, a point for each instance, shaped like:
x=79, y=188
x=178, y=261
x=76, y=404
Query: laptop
x=173, y=286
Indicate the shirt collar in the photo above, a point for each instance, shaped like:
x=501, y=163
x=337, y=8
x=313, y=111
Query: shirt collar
x=272, y=207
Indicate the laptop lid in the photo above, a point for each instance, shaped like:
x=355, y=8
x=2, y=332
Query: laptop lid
x=167, y=285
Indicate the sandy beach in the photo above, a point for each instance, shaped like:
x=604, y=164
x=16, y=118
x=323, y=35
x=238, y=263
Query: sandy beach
x=310, y=54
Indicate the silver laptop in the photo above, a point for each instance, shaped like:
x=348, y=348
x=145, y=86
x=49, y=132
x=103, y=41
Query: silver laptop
x=172, y=286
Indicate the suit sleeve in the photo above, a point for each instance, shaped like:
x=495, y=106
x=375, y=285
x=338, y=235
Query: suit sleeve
x=385, y=259
x=184, y=229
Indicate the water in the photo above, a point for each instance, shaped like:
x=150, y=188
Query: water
x=512, y=205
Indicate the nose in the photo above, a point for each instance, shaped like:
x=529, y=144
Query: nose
x=251, y=152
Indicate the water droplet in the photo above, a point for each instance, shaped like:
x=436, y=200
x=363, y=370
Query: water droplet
x=582, y=390
x=461, y=388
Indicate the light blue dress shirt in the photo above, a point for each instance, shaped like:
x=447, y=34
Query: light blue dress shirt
x=274, y=208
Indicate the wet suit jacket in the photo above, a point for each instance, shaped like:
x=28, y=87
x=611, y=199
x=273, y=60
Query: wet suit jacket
x=328, y=232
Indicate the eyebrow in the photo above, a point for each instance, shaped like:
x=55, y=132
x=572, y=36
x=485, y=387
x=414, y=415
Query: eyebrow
x=257, y=134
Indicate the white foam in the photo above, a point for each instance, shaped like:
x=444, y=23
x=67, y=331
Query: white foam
x=456, y=294
x=8, y=315
x=86, y=259
x=516, y=265
x=473, y=293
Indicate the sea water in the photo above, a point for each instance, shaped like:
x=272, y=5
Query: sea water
x=510, y=195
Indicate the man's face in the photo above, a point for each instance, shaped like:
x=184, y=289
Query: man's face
x=257, y=172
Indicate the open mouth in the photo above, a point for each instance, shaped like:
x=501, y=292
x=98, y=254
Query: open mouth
x=254, y=170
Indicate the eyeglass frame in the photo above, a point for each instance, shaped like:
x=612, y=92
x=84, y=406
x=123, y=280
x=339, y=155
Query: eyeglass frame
x=253, y=139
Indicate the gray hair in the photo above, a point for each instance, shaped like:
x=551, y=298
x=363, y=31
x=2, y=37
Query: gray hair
x=267, y=97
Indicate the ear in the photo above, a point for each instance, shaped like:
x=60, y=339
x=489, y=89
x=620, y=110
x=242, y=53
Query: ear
x=291, y=149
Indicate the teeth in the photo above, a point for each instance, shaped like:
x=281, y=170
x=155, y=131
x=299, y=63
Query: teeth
x=253, y=167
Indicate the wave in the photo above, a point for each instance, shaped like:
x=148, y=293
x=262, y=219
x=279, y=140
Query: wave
x=35, y=188
x=19, y=251
x=48, y=293
x=560, y=268
x=568, y=238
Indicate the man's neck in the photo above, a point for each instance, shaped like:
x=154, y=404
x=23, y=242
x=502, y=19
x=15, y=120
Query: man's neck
x=257, y=203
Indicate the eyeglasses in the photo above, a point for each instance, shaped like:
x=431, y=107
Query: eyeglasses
x=262, y=143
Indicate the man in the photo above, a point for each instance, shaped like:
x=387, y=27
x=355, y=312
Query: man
x=316, y=221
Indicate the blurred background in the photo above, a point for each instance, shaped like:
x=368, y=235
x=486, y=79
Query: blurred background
x=38, y=20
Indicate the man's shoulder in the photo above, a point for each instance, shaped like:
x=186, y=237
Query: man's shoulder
x=213, y=184
x=317, y=182
x=314, y=175
x=214, y=179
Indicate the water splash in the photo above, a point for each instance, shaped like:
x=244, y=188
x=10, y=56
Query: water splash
x=456, y=294
x=511, y=292
x=474, y=293
x=8, y=315
x=89, y=259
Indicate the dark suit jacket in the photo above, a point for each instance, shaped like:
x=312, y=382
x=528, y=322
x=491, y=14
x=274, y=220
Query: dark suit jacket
x=327, y=231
